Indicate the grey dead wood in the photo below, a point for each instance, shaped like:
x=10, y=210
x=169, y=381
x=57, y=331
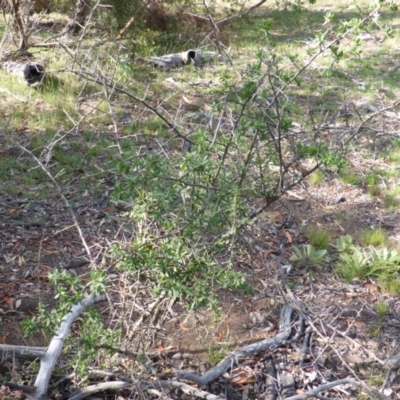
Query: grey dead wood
x=247, y=351
x=191, y=391
x=19, y=23
x=175, y=60
x=393, y=361
x=348, y=381
x=51, y=355
x=9, y=352
x=271, y=393
x=288, y=385
x=32, y=73
x=76, y=263
x=98, y=387
x=48, y=362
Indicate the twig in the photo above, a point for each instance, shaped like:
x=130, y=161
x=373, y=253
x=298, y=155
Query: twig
x=102, y=80
x=348, y=381
x=98, y=387
x=247, y=351
x=191, y=391
x=50, y=356
x=54, y=350
x=22, y=352
x=77, y=226
x=271, y=392
x=330, y=44
x=158, y=394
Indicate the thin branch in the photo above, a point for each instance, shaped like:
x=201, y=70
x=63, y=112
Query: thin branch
x=104, y=81
x=22, y=352
x=54, y=350
x=348, y=381
x=250, y=350
x=329, y=45
x=191, y=391
x=98, y=387
x=77, y=226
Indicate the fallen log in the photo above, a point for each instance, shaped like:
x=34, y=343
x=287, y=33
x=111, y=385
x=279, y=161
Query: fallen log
x=9, y=352
x=32, y=73
x=175, y=60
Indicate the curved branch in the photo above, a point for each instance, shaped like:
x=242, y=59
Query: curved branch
x=250, y=350
x=348, y=381
x=54, y=350
x=191, y=391
x=98, y=387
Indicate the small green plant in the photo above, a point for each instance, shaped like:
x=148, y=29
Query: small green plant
x=381, y=308
x=374, y=237
x=217, y=353
x=392, y=200
x=376, y=380
x=318, y=238
x=175, y=209
x=321, y=153
x=389, y=172
x=350, y=178
x=316, y=178
x=375, y=329
x=308, y=255
x=374, y=190
x=394, y=154
x=344, y=243
x=372, y=179
x=69, y=291
x=390, y=284
x=355, y=262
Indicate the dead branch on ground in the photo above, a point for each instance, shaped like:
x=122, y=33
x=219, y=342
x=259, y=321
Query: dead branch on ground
x=8, y=351
x=247, y=351
x=347, y=381
x=98, y=387
x=48, y=361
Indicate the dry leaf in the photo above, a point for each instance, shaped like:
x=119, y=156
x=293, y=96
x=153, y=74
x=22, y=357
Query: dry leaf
x=51, y=251
x=353, y=321
x=3, y=338
x=371, y=288
x=9, y=301
x=288, y=236
x=183, y=328
x=260, y=304
x=243, y=376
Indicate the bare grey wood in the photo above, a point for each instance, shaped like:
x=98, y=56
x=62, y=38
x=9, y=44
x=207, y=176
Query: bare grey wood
x=247, y=351
x=271, y=393
x=288, y=385
x=8, y=351
x=99, y=387
x=175, y=60
x=32, y=73
x=49, y=360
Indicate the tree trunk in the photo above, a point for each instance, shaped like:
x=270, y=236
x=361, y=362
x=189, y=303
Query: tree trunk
x=19, y=23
